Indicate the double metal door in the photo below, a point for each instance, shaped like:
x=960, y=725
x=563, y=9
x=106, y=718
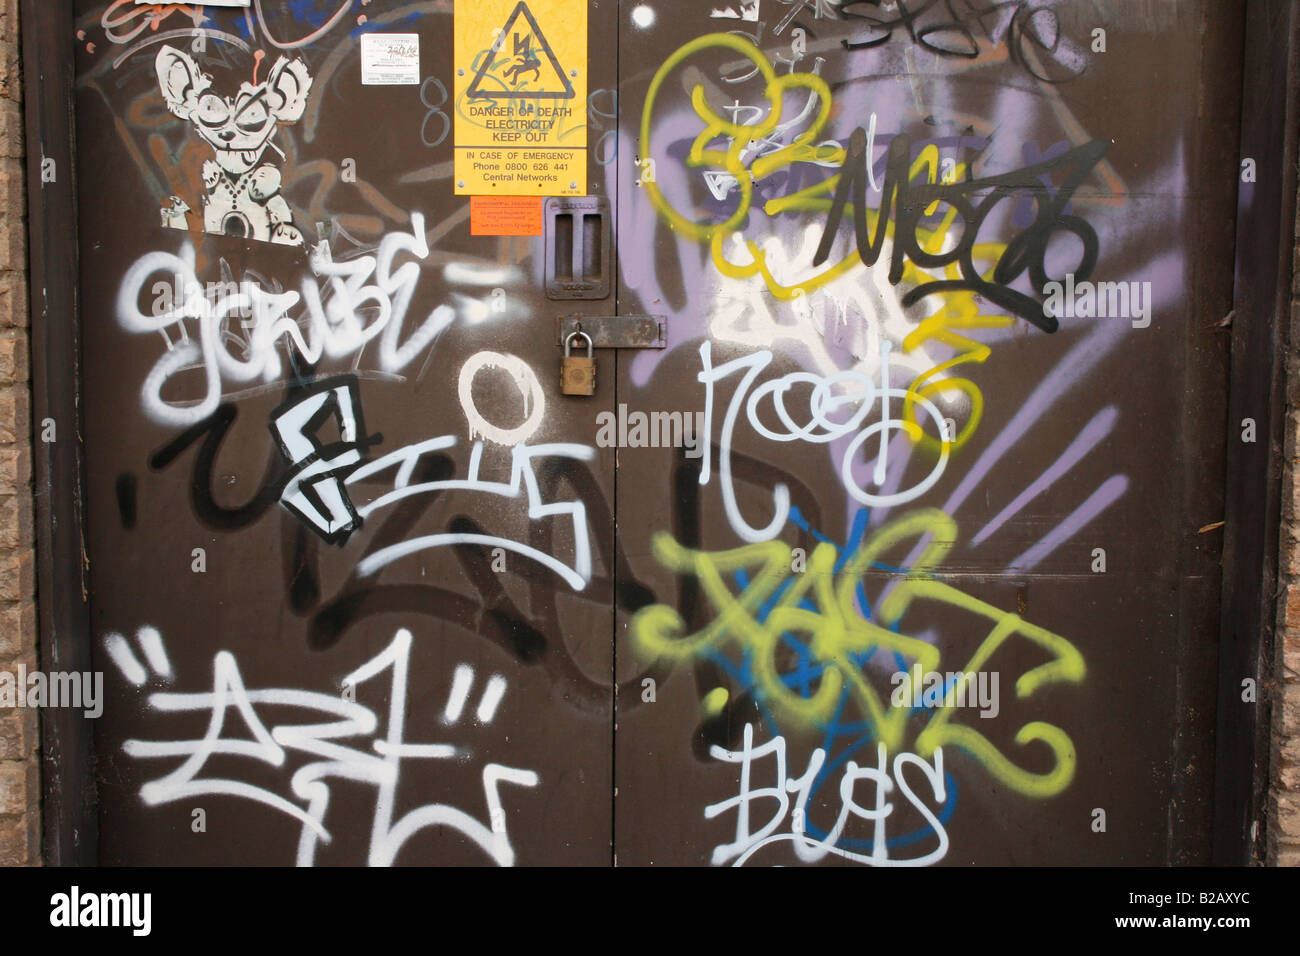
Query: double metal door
x=879, y=548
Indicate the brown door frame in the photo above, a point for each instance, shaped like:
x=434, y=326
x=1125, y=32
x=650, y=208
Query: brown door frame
x=69, y=808
x=1265, y=233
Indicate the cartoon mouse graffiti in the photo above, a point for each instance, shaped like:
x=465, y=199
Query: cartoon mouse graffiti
x=243, y=193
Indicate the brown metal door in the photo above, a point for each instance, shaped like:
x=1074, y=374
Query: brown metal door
x=350, y=550
x=902, y=552
x=944, y=279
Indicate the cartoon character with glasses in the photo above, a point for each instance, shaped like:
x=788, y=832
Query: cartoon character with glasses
x=243, y=193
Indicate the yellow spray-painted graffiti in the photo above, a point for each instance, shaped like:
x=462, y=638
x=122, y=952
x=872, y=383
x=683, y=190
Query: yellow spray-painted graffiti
x=740, y=136
x=958, y=310
x=837, y=633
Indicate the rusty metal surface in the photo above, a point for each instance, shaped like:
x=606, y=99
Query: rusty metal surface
x=979, y=158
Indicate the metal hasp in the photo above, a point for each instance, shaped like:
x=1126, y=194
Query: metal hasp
x=616, y=331
x=578, y=238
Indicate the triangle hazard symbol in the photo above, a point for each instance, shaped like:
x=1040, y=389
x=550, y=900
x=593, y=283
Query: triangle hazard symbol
x=520, y=64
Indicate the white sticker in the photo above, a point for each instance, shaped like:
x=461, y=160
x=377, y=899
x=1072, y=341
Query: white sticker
x=209, y=3
x=390, y=59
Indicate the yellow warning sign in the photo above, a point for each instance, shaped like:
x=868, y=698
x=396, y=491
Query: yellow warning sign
x=521, y=98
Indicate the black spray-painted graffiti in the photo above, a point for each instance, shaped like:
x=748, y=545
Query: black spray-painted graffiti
x=973, y=201
x=1030, y=31
x=315, y=491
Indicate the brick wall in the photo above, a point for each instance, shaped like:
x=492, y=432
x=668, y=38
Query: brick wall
x=20, y=793
x=1284, y=798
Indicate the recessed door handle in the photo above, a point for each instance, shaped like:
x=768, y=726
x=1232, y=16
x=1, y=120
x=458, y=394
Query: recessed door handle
x=577, y=238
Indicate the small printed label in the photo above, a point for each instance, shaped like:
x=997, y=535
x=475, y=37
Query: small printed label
x=390, y=59
x=505, y=216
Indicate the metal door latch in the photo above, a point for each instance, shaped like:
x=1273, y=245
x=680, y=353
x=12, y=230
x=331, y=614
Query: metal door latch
x=615, y=331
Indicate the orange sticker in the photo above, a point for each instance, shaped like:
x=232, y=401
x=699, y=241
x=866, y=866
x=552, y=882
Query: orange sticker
x=505, y=216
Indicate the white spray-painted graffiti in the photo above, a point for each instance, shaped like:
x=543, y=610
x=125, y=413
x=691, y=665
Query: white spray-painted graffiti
x=363, y=299
x=376, y=759
x=810, y=849
x=849, y=392
x=530, y=389
x=315, y=492
x=523, y=478
x=317, y=495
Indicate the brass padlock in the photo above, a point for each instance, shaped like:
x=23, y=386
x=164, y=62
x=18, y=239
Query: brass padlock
x=577, y=374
